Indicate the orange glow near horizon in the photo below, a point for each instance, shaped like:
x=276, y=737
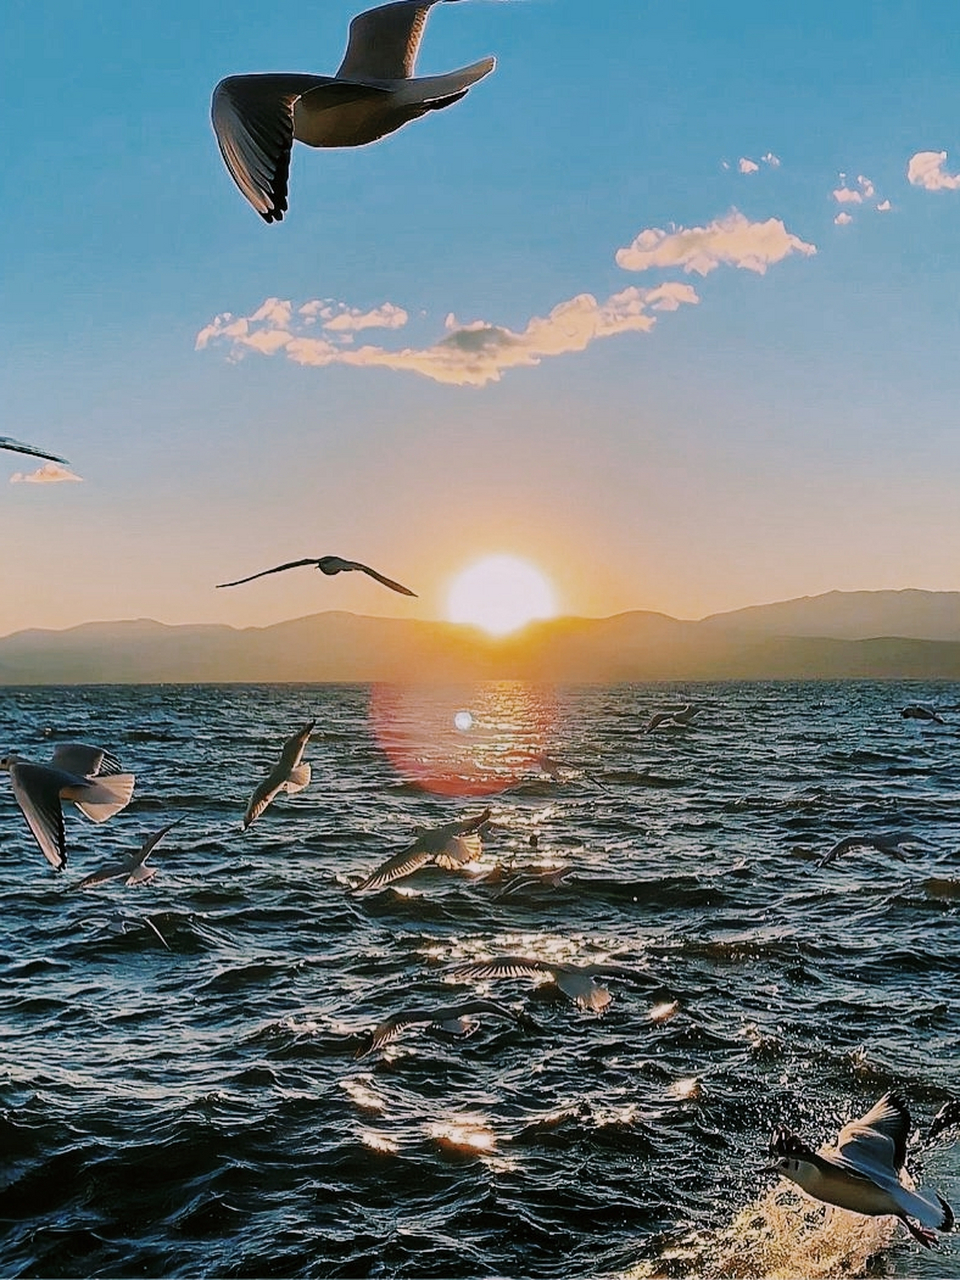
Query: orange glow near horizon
x=500, y=594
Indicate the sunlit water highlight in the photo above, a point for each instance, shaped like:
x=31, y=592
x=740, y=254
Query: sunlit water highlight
x=179, y=1089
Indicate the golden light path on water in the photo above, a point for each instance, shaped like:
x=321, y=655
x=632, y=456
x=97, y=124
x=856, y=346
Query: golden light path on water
x=464, y=740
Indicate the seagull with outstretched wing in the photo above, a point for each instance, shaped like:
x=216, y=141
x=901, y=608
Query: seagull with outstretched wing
x=257, y=118
x=863, y=1171
x=329, y=565
x=288, y=775
x=577, y=981
x=450, y=846
x=131, y=868
x=455, y=1020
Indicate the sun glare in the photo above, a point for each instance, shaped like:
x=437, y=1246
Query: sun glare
x=500, y=594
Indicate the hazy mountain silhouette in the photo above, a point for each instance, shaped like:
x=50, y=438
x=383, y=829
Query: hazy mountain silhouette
x=868, y=634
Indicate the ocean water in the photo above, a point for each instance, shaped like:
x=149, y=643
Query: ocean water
x=180, y=1087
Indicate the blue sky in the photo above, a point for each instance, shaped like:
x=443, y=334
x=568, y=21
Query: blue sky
x=789, y=432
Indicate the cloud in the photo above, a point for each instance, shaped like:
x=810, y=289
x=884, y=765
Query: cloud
x=843, y=219
x=884, y=206
x=771, y=159
x=733, y=240
x=846, y=195
x=747, y=166
x=925, y=169
x=472, y=354
x=49, y=473
x=321, y=332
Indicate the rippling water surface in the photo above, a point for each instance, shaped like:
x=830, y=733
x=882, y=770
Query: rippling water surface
x=180, y=1086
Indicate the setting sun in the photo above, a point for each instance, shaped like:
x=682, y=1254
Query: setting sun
x=500, y=594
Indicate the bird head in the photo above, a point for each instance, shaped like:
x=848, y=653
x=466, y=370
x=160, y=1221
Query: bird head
x=790, y=1157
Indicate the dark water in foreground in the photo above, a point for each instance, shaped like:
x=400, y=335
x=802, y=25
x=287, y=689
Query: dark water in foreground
x=179, y=1091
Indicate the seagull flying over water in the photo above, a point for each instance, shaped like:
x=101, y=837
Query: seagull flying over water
x=893, y=845
x=449, y=846
x=454, y=1019
x=576, y=981
x=132, y=866
x=257, y=117
x=676, y=717
x=16, y=446
x=916, y=711
x=288, y=774
x=863, y=1172
x=89, y=776
x=328, y=565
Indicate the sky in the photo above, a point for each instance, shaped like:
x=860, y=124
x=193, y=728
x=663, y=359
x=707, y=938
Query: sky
x=667, y=306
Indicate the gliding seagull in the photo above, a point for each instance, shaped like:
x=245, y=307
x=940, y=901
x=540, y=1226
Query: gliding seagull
x=454, y=1019
x=288, y=774
x=864, y=1171
x=257, y=117
x=16, y=446
x=89, y=776
x=450, y=846
x=576, y=981
x=132, y=865
x=328, y=565
x=893, y=845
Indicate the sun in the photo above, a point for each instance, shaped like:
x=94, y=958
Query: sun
x=500, y=594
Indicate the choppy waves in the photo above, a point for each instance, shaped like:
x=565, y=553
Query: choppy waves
x=180, y=1092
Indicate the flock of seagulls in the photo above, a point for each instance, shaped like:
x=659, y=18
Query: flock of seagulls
x=257, y=119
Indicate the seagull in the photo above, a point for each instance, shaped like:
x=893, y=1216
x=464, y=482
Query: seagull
x=864, y=1171
x=915, y=711
x=257, y=117
x=455, y=1019
x=554, y=768
x=328, y=565
x=674, y=718
x=577, y=981
x=288, y=775
x=534, y=877
x=449, y=846
x=893, y=845
x=89, y=776
x=132, y=865
x=17, y=446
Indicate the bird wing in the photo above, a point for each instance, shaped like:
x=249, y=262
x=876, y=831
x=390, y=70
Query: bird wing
x=294, y=747
x=372, y=573
x=396, y=868
x=876, y=1143
x=395, y=1026
x=36, y=789
x=383, y=42
x=264, y=794
x=458, y=851
x=505, y=967
x=17, y=446
x=109, y=871
x=291, y=564
x=84, y=761
x=253, y=120
x=143, y=853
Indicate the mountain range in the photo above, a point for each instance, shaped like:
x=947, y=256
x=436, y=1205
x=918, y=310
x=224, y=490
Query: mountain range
x=907, y=634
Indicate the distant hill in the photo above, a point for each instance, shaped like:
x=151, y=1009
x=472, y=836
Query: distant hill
x=865, y=634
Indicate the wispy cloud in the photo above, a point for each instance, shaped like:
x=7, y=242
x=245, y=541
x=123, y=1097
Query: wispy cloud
x=321, y=332
x=925, y=169
x=747, y=166
x=732, y=241
x=49, y=473
x=850, y=195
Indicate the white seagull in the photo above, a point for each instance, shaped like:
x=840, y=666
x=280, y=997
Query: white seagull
x=257, y=117
x=676, y=717
x=17, y=446
x=893, y=845
x=454, y=1019
x=288, y=775
x=89, y=776
x=576, y=981
x=329, y=565
x=449, y=846
x=863, y=1172
x=132, y=866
